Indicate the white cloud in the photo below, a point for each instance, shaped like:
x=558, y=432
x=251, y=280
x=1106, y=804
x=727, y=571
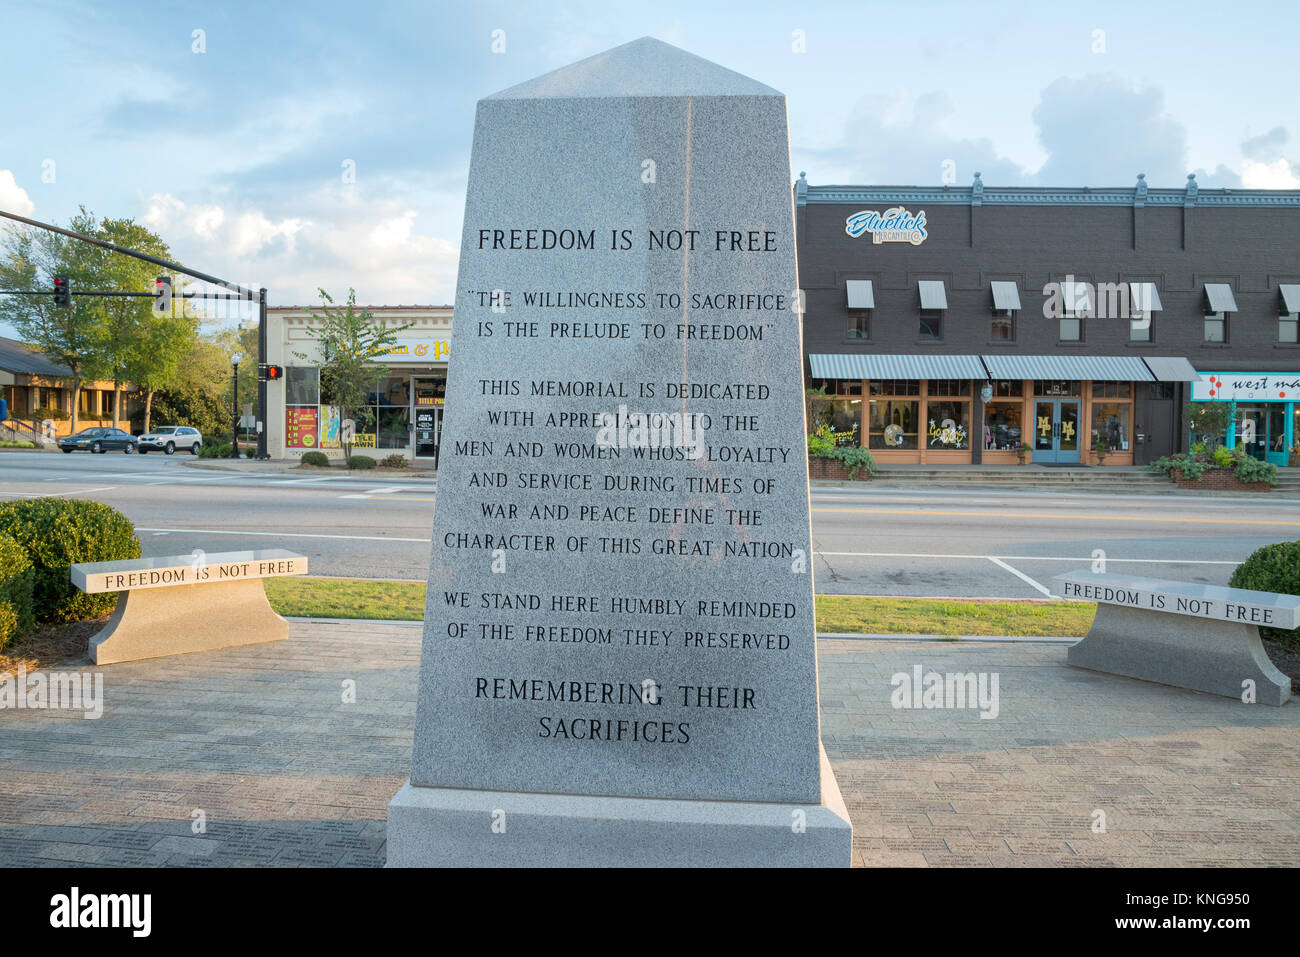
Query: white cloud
x=1279, y=174
x=339, y=241
x=13, y=198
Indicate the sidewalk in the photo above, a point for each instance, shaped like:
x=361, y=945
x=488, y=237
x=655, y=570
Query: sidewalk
x=289, y=467
x=285, y=774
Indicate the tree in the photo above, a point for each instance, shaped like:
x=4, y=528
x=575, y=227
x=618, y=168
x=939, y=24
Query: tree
x=201, y=397
x=1209, y=420
x=31, y=260
x=349, y=339
x=135, y=344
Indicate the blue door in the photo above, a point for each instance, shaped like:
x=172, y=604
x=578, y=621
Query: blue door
x=1056, y=431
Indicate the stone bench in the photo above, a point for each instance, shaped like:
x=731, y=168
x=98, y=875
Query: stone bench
x=1203, y=637
x=184, y=603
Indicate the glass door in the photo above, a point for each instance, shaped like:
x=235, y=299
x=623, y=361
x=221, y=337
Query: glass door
x=1056, y=431
x=426, y=413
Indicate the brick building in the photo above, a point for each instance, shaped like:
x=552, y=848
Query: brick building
x=947, y=324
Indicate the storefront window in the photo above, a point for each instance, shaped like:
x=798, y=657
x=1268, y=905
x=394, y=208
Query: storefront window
x=1110, y=423
x=949, y=425
x=949, y=387
x=1008, y=388
x=1002, y=426
x=301, y=385
x=894, y=424
x=1111, y=390
x=842, y=416
x=895, y=387
x=1056, y=387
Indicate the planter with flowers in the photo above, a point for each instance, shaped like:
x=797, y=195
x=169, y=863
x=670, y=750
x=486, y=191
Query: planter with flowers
x=831, y=456
x=1220, y=468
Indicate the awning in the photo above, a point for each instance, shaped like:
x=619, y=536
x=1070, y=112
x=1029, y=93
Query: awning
x=1096, y=368
x=1290, y=298
x=861, y=294
x=1220, y=296
x=852, y=366
x=933, y=295
x=1171, y=369
x=1144, y=297
x=1006, y=296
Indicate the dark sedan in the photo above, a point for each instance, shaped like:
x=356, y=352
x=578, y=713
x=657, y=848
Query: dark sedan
x=98, y=440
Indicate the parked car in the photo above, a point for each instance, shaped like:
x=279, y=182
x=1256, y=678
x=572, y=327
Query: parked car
x=169, y=438
x=98, y=440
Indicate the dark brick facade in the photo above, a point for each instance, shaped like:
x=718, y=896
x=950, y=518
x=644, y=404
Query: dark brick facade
x=1176, y=239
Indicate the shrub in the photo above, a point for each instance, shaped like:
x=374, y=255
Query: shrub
x=1273, y=568
x=44, y=412
x=214, y=451
x=17, y=445
x=59, y=532
x=318, y=459
x=250, y=452
x=1193, y=466
x=16, y=582
x=395, y=461
x=362, y=462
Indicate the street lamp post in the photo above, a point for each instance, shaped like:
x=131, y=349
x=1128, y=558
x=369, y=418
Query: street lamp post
x=234, y=428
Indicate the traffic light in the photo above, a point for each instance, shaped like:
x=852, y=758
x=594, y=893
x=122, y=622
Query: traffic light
x=162, y=296
x=62, y=292
x=273, y=373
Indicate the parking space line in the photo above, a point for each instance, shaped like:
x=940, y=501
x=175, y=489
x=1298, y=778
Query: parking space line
x=1019, y=574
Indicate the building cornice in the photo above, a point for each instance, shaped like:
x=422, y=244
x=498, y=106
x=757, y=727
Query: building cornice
x=978, y=194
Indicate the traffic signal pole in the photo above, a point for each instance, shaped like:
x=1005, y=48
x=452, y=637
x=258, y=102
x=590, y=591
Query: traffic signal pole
x=243, y=293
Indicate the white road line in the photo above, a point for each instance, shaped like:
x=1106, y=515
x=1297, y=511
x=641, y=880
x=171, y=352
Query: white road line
x=355, y=495
x=227, y=531
x=75, y=491
x=1030, y=558
x=1021, y=575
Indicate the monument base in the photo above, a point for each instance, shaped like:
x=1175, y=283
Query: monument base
x=454, y=827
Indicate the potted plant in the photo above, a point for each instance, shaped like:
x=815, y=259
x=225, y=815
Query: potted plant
x=1101, y=447
x=1293, y=458
x=1021, y=452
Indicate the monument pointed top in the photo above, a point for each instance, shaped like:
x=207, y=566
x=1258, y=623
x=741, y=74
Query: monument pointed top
x=644, y=67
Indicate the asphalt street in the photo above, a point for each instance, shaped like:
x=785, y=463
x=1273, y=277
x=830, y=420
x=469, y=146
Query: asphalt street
x=879, y=540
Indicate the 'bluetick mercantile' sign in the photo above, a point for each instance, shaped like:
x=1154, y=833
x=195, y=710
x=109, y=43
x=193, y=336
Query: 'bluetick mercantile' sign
x=894, y=225
x=1239, y=386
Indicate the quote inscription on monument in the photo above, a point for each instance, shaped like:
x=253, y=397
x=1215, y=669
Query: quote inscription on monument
x=620, y=593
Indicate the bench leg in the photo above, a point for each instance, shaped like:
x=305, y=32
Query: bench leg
x=155, y=622
x=1196, y=653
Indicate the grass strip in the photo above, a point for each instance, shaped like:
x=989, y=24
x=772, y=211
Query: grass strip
x=404, y=601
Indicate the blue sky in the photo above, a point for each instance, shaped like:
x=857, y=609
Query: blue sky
x=236, y=154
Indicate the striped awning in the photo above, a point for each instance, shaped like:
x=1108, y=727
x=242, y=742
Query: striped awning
x=933, y=295
x=1144, y=297
x=1006, y=296
x=1290, y=297
x=849, y=366
x=1171, y=368
x=1220, y=296
x=1096, y=368
x=860, y=294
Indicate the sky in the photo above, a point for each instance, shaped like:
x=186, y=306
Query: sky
x=327, y=144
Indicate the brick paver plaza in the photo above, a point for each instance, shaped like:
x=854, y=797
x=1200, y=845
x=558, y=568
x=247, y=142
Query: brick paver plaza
x=259, y=740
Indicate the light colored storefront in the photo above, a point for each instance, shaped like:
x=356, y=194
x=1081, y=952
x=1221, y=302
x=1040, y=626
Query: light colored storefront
x=404, y=411
x=1266, y=414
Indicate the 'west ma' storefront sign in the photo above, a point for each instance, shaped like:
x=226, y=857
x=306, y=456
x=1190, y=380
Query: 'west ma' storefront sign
x=1240, y=386
x=894, y=225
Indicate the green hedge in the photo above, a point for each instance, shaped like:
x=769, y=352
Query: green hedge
x=56, y=533
x=17, y=579
x=1273, y=568
x=362, y=462
x=319, y=459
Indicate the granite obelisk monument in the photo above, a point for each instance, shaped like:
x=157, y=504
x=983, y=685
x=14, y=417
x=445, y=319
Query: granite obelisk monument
x=619, y=665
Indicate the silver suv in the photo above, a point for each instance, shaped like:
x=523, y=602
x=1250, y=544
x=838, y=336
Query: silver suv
x=169, y=438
